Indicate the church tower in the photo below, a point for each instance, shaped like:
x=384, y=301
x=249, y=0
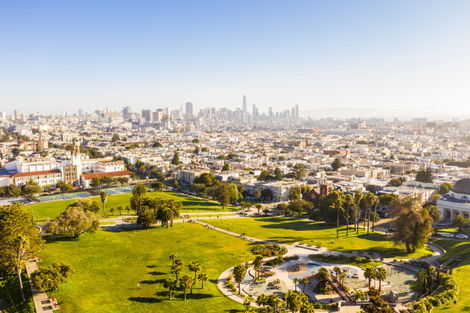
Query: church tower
x=77, y=157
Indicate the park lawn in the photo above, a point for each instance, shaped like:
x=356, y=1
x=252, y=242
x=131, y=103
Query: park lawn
x=289, y=231
x=461, y=274
x=49, y=210
x=453, y=248
x=447, y=229
x=107, y=267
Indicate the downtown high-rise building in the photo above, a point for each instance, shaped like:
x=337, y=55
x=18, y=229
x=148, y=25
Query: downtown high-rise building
x=189, y=108
x=147, y=115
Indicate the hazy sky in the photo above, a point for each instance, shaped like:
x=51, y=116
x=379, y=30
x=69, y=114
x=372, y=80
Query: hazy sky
x=333, y=58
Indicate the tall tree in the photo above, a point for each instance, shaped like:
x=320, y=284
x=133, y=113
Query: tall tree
x=19, y=240
x=257, y=263
x=194, y=267
x=369, y=275
x=73, y=222
x=460, y=221
x=176, y=159
x=424, y=176
x=239, y=273
x=413, y=223
x=369, y=201
x=337, y=205
x=336, y=164
x=348, y=205
x=103, y=198
x=171, y=285
x=381, y=275
x=202, y=278
x=185, y=283
x=258, y=207
x=434, y=212
x=296, y=300
x=138, y=195
x=227, y=193
x=357, y=209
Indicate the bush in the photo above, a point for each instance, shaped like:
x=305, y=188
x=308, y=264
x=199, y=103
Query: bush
x=275, y=261
x=269, y=250
x=444, y=293
x=49, y=278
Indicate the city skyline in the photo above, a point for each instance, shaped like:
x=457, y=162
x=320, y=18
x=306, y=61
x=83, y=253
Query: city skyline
x=356, y=59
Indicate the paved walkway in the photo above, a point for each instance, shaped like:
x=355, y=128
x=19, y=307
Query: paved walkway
x=42, y=303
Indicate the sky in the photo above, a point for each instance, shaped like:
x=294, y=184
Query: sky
x=334, y=58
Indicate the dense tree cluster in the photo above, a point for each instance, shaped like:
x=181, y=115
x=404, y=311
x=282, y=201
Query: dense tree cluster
x=424, y=176
x=49, y=278
x=107, y=181
x=20, y=240
x=184, y=282
x=224, y=192
x=150, y=211
x=145, y=170
x=26, y=190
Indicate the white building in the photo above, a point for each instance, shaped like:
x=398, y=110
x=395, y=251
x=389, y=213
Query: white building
x=48, y=171
x=457, y=201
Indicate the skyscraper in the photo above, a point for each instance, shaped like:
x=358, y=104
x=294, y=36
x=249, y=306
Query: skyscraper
x=189, y=108
x=146, y=115
x=297, y=111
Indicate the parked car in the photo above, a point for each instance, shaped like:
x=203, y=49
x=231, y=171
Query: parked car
x=461, y=236
x=445, y=234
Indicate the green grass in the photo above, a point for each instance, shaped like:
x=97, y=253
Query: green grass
x=317, y=233
x=454, y=248
x=461, y=274
x=447, y=229
x=50, y=210
x=107, y=267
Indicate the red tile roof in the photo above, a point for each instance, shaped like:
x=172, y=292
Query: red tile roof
x=112, y=174
x=27, y=174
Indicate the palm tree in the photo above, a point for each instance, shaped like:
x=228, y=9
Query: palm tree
x=369, y=274
x=369, y=201
x=239, y=273
x=175, y=208
x=103, y=197
x=338, y=205
x=176, y=269
x=185, y=283
x=381, y=275
x=171, y=285
x=296, y=281
x=374, y=209
x=194, y=267
x=138, y=195
x=349, y=202
x=358, y=196
x=304, y=283
x=337, y=271
x=257, y=263
x=258, y=207
x=202, y=278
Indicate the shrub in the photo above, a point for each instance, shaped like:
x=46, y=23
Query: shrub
x=49, y=278
x=269, y=250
